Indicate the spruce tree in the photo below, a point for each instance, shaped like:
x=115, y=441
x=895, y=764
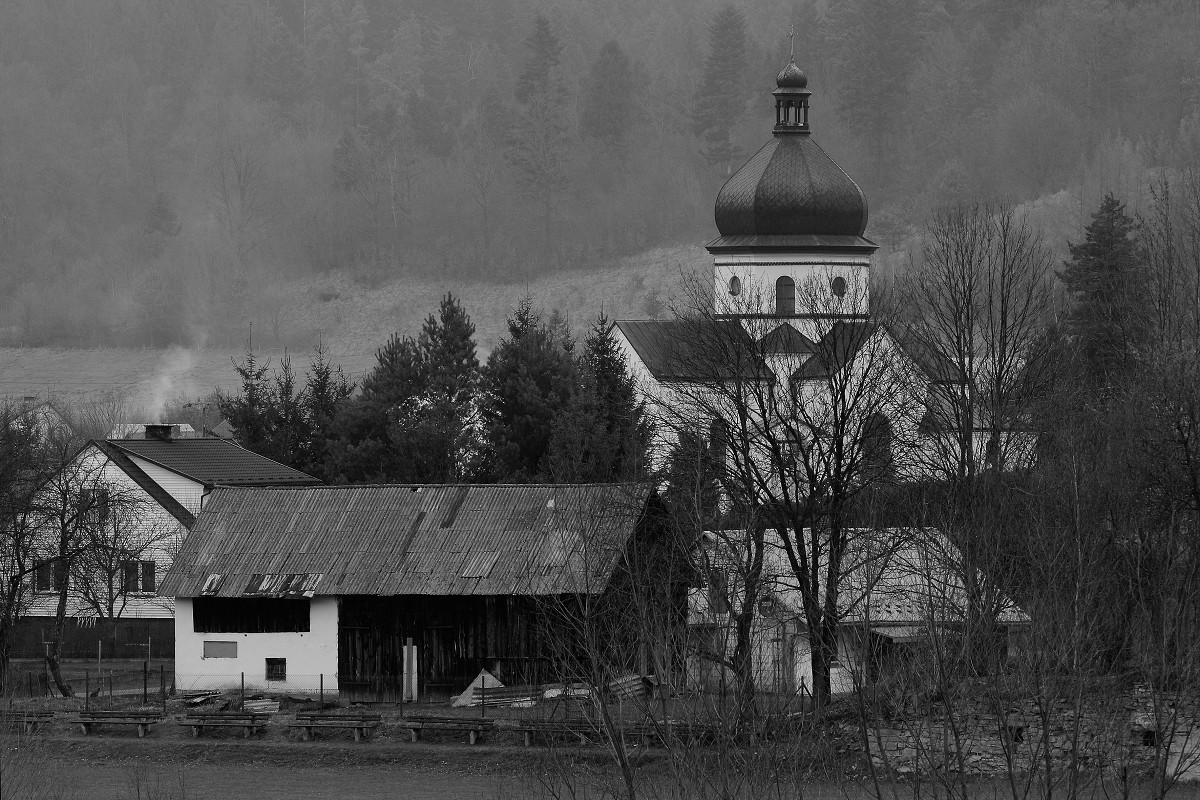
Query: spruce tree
x=603, y=434
x=720, y=98
x=608, y=104
x=530, y=379
x=538, y=141
x=1108, y=313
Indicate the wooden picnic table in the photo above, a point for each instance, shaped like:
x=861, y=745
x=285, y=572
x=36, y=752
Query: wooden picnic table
x=358, y=722
x=248, y=721
x=142, y=719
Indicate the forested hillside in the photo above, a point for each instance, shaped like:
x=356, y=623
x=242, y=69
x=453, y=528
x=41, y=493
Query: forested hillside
x=168, y=167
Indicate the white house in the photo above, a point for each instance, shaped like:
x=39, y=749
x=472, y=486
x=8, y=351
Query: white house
x=162, y=483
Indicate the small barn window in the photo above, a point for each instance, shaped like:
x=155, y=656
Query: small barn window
x=249, y=615
x=277, y=669
x=839, y=286
x=785, y=297
x=220, y=650
x=735, y=286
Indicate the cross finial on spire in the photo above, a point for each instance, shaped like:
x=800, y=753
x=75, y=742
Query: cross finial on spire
x=792, y=42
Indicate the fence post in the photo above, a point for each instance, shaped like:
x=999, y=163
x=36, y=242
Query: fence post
x=29, y=677
x=162, y=686
x=87, y=690
x=110, y=700
x=322, y=690
x=242, y=704
x=145, y=682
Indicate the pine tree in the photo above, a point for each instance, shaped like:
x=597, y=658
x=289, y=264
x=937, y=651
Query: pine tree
x=280, y=67
x=530, y=378
x=360, y=447
x=609, y=103
x=538, y=141
x=415, y=420
x=721, y=96
x=1109, y=316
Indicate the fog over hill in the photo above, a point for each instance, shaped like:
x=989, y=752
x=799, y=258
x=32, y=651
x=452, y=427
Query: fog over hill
x=172, y=172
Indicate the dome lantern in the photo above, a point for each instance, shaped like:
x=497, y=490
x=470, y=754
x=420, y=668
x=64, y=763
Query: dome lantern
x=791, y=96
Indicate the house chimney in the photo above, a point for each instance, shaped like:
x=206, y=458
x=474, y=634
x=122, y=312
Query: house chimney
x=164, y=433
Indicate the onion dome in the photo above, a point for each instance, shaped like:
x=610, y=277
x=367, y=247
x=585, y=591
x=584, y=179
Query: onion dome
x=791, y=77
x=791, y=187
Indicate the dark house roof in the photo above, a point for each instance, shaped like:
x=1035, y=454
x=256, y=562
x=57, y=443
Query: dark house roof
x=147, y=484
x=214, y=462
x=398, y=540
x=697, y=351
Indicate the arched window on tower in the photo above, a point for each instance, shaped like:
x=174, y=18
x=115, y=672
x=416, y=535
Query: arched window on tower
x=785, y=297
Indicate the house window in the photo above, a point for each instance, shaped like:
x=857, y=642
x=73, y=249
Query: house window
x=249, y=615
x=220, y=650
x=49, y=576
x=839, y=286
x=785, y=297
x=138, y=576
x=277, y=669
x=735, y=286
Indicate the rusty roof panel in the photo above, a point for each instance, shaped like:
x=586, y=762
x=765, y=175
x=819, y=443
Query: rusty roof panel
x=382, y=540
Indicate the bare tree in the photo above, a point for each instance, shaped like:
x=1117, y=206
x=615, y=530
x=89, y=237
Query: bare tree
x=237, y=187
x=810, y=413
x=122, y=558
x=979, y=297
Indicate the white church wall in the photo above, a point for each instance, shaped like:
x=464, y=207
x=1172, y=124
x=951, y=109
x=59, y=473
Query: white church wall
x=757, y=274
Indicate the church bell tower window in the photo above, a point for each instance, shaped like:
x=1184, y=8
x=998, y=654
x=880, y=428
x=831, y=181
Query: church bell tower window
x=785, y=297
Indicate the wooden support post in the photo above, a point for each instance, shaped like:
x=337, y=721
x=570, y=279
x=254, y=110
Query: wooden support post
x=322, y=690
x=87, y=692
x=162, y=686
x=145, y=682
x=242, y=702
x=110, y=688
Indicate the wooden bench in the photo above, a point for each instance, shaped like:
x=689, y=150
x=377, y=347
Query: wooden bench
x=359, y=723
x=473, y=727
x=143, y=720
x=528, y=727
x=248, y=721
x=28, y=721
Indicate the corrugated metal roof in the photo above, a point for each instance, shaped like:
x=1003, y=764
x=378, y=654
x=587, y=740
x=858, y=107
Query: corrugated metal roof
x=694, y=350
x=391, y=540
x=213, y=462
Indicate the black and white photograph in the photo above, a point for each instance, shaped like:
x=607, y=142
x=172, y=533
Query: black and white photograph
x=599, y=399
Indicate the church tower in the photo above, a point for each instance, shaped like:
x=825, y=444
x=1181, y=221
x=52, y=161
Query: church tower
x=791, y=222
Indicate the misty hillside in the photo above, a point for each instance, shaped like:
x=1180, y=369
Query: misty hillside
x=172, y=172
x=352, y=321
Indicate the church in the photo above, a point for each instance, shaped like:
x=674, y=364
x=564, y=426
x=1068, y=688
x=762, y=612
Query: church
x=802, y=393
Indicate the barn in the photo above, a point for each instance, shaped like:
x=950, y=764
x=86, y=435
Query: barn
x=355, y=588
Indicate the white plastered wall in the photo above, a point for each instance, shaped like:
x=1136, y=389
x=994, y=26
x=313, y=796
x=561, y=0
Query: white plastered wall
x=312, y=657
x=758, y=273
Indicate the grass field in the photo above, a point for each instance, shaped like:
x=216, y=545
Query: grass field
x=352, y=320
